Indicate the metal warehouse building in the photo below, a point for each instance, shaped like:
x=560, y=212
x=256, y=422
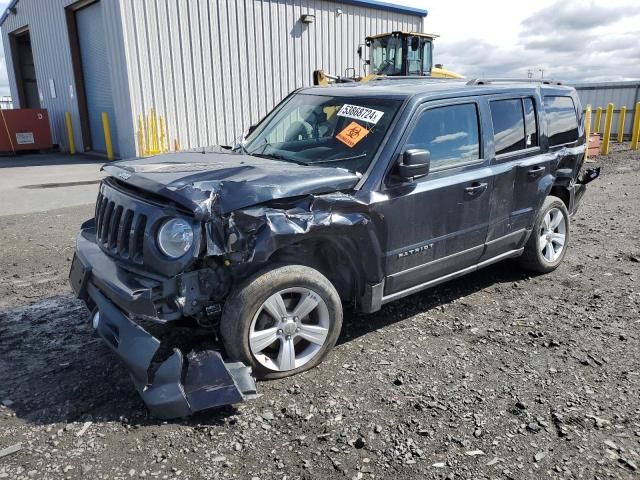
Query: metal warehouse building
x=621, y=94
x=210, y=68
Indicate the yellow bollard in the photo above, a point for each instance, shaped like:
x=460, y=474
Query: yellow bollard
x=141, y=140
x=596, y=127
x=587, y=128
x=635, y=133
x=154, y=126
x=608, y=119
x=107, y=136
x=149, y=136
x=163, y=136
x=621, y=119
x=72, y=143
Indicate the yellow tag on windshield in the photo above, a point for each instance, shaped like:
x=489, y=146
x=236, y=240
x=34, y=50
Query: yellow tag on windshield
x=351, y=135
x=329, y=111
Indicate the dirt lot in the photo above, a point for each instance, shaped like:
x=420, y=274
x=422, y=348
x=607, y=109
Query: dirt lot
x=496, y=375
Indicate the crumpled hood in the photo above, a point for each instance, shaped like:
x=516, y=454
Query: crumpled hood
x=219, y=180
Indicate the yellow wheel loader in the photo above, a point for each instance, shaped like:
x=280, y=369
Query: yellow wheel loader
x=395, y=54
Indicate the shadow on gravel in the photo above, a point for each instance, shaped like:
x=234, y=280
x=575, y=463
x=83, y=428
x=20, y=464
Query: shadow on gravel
x=357, y=325
x=55, y=369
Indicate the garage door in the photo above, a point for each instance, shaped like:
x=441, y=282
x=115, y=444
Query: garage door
x=96, y=73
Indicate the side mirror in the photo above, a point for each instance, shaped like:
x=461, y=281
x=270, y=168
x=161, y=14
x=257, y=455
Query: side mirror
x=415, y=163
x=251, y=129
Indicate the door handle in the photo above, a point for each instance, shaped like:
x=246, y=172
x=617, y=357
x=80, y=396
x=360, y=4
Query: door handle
x=476, y=188
x=536, y=171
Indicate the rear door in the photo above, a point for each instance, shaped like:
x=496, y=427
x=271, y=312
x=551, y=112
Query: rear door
x=521, y=171
x=563, y=133
x=437, y=224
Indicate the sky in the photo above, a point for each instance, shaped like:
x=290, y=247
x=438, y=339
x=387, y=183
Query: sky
x=572, y=41
x=568, y=40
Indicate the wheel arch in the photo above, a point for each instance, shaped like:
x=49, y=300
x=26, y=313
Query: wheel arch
x=562, y=193
x=336, y=258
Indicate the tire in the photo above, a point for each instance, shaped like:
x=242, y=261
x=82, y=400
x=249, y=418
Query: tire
x=247, y=315
x=549, y=239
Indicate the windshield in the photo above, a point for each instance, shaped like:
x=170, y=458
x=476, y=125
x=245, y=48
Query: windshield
x=323, y=130
x=386, y=56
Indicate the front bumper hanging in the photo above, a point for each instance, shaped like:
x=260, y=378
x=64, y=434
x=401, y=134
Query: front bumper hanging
x=173, y=389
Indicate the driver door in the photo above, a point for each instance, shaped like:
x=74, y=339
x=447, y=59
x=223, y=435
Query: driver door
x=437, y=225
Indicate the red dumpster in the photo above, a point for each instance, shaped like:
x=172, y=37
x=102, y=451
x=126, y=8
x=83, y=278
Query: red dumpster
x=24, y=129
x=594, y=145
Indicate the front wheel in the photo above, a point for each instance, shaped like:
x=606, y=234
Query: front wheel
x=549, y=239
x=282, y=321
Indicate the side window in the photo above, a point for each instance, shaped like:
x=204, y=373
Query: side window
x=449, y=133
x=530, y=123
x=508, y=125
x=426, y=56
x=413, y=57
x=562, y=120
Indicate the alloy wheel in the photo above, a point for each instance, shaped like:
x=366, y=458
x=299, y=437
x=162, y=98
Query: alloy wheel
x=553, y=235
x=289, y=329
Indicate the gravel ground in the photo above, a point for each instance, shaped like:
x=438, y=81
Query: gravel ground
x=496, y=375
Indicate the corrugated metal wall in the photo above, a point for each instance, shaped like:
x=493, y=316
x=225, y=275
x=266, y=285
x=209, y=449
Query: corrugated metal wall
x=210, y=67
x=621, y=94
x=52, y=57
x=213, y=68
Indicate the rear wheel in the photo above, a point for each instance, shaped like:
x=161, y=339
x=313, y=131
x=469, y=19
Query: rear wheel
x=548, y=242
x=282, y=321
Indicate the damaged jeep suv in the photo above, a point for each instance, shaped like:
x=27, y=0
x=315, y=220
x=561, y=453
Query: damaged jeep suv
x=355, y=194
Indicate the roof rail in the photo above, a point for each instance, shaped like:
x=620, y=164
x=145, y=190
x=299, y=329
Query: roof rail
x=485, y=81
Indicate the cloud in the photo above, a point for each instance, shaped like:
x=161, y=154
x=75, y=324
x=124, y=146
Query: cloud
x=566, y=16
x=449, y=137
x=570, y=41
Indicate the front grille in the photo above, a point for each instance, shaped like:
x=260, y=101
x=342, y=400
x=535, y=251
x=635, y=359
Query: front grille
x=119, y=229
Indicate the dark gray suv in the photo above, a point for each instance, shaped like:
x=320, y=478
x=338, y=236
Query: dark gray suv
x=358, y=194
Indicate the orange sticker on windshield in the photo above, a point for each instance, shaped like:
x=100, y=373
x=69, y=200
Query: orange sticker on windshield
x=351, y=135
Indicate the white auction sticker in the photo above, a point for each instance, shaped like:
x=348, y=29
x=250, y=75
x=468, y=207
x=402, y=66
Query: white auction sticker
x=25, y=138
x=364, y=114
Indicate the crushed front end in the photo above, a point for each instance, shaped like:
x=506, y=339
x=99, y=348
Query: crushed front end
x=111, y=273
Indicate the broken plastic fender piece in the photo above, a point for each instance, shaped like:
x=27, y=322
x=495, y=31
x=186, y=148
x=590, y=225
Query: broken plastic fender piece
x=209, y=382
x=590, y=175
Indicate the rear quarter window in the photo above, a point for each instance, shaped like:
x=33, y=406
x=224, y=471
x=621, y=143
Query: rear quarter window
x=508, y=125
x=562, y=120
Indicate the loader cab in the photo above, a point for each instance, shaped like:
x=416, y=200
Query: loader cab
x=400, y=54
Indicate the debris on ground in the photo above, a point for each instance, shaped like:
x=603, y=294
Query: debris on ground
x=5, y=452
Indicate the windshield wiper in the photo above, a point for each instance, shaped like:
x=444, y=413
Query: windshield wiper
x=275, y=156
x=344, y=159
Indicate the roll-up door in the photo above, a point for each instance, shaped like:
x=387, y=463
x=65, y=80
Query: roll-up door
x=96, y=74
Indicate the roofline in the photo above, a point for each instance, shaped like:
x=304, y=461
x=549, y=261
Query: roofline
x=614, y=83
x=11, y=5
x=360, y=3
x=432, y=36
x=392, y=7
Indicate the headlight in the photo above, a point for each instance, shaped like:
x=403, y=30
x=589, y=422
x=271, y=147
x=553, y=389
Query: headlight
x=175, y=237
